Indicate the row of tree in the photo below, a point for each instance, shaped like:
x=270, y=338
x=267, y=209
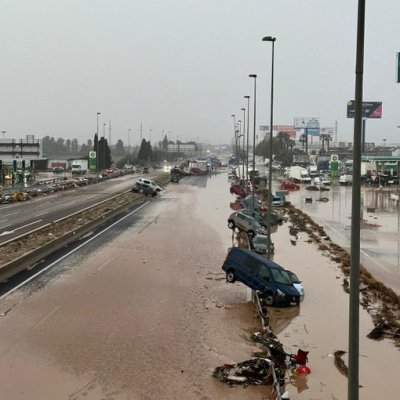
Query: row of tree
x=143, y=154
x=283, y=147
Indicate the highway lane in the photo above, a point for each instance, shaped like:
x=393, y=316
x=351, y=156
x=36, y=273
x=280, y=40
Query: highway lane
x=136, y=311
x=22, y=217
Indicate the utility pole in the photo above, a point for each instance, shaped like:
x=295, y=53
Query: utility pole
x=109, y=133
x=141, y=133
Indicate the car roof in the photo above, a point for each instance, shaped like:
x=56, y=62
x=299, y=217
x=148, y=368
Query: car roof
x=251, y=253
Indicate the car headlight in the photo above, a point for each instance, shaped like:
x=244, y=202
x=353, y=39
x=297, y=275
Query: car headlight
x=279, y=293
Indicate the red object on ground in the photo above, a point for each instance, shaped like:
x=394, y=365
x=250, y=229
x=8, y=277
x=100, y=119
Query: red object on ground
x=288, y=185
x=303, y=369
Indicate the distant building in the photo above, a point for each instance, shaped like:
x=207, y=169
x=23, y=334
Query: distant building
x=26, y=149
x=185, y=148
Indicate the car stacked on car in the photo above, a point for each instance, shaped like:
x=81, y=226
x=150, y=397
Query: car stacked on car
x=252, y=265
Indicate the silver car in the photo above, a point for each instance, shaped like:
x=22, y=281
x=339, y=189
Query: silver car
x=245, y=223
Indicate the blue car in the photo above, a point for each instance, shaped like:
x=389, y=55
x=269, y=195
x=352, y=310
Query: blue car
x=258, y=273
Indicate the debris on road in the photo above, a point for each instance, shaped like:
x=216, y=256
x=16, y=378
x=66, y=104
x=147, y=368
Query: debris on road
x=256, y=371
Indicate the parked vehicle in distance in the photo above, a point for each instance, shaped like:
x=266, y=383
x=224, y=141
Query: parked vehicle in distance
x=278, y=201
x=259, y=243
x=296, y=283
x=299, y=174
x=144, y=188
x=258, y=273
x=238, y=190
x=154, y=185
x=79, y=166
x=288, y=185
x=322, y=181
x=345, y=179
x=245, y=223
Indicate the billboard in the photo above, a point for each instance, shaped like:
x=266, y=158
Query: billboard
x=306, y=122
x=370, y=109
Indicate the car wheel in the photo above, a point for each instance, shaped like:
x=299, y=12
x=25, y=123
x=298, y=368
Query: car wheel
x=268, y=299
x=250, y=234
x=230, y=276
x=154, y=194
x=231, y=190
x=231, y=224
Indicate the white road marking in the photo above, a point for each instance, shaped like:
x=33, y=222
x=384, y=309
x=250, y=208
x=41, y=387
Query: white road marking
x=71, y=252
x=31, y=223
x=361, y=251
x=46, y=317
x=42, y=213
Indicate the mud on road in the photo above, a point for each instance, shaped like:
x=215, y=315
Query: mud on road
x=149, y=315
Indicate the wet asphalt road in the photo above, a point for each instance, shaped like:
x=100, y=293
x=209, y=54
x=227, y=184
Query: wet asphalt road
x=143, y=312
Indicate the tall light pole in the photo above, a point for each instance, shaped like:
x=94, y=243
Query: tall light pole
x=3, y=132
x=97, y=145
x=129, y=140
x=254, y=135
x=269, y=214
x=234, y=131
x=238, y=136
x=247, y=145
x=104, y=145
x=244, y=135
x=354, y=295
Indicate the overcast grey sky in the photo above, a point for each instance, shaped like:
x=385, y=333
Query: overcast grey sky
x=182, y=66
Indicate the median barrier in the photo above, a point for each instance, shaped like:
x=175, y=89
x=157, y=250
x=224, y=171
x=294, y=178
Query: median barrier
x=32, y=257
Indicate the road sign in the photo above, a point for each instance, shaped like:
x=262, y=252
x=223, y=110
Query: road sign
x=92, y=154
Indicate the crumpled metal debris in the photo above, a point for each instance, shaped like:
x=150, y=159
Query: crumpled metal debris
x=256, y=371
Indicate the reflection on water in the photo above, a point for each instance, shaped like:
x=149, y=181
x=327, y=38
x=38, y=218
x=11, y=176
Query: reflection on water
x=299, y=381
x=380, y=233
x=200, y=180
x=281, y=318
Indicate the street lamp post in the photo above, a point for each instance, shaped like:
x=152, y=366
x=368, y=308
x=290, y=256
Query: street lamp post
x=269, y=214
x=254, y=136
x=104, y=145
x=247, y=145
x=3, y=132
x=234, y=131
x=244, y=135
x=238, y=136
x=97, y=146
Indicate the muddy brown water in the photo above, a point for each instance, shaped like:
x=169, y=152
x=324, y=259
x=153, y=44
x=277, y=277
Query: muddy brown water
x=149, y=315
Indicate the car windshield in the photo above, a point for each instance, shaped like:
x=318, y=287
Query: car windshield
x=293, y=277
x=281, y=276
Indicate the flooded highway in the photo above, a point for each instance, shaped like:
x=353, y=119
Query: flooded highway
x=380, y=233
x=143, y=311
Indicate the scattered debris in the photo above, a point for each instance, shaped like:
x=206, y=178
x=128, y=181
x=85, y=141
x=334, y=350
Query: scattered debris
x=339, y=363
x=256, y=371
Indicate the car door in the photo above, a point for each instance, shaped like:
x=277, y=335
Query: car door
x=264, y=274
x=250, y=273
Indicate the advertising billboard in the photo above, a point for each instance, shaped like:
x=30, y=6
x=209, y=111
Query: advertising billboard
x=306, y=122
x=370, y=109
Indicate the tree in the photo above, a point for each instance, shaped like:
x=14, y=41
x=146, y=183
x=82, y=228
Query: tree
x=74, y=146
x=165, y=143
x=68, y=146
x=145, y=152
x=119, y=147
